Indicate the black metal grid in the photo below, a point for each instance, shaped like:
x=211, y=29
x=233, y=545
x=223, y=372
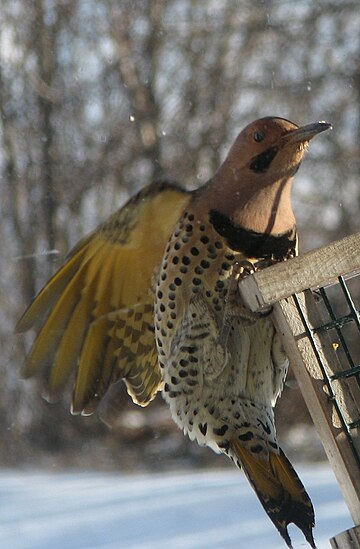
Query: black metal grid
x=339, y=313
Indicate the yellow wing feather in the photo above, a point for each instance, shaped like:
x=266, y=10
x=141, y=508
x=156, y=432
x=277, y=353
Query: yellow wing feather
x=98, y=308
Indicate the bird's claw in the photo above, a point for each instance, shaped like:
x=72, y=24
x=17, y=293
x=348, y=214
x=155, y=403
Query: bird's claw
x=233, y=307
x=242, y=268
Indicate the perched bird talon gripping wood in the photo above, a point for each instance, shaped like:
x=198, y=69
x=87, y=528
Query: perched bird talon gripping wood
x=144, y=299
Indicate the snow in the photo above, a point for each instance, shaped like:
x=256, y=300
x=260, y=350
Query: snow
x=212, y=509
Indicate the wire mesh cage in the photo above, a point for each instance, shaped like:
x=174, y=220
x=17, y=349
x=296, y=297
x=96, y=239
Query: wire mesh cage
x=316, y=310
x=337, y=330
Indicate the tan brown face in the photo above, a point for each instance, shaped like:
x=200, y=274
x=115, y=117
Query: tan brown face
x=258, y=138
x=273, y=146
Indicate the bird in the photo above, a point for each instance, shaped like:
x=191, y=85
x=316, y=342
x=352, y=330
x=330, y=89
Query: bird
x=150, y=297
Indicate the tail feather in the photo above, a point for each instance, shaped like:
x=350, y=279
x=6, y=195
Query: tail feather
x=279, y=490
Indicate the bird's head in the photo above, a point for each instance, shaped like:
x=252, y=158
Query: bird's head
x=253, y=185
x=271, y=148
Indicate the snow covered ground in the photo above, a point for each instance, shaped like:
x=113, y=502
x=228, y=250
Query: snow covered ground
x=206, y=510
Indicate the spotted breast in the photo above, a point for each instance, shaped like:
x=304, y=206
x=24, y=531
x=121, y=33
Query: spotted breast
x=218, y=388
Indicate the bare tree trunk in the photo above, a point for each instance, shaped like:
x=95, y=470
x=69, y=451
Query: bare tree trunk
x=23, y=234
x=45, y=47
x=141, y=92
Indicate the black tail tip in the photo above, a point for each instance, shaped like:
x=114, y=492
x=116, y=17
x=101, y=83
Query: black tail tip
x=307, y=534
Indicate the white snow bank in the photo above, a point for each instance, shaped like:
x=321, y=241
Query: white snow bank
x=211, y=510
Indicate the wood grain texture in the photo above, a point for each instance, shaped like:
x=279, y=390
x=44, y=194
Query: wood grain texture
x=350, y=539
x=317, y=268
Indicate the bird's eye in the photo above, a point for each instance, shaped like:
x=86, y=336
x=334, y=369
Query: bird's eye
x=259, y=136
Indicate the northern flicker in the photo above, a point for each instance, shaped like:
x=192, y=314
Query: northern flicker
x=167, y=262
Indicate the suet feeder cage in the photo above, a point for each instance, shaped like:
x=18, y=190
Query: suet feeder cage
x=316, y=310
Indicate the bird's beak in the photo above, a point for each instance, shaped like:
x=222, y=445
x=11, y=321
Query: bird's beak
x=305, y=133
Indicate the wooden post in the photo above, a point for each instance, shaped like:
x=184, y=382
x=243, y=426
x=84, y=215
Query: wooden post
x=319, y=402
x=331, y=405
x=350, y=539
x=314, y=269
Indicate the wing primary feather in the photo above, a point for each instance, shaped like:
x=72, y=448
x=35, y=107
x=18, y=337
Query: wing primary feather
x=47, y=296
x=89, y=350
x=71, y=343
x=52, y=331
x=106, y=376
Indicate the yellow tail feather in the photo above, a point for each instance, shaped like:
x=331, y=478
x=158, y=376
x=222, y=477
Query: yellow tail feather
x=279, y=490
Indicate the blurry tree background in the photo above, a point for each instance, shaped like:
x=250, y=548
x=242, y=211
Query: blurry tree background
x=100, y=97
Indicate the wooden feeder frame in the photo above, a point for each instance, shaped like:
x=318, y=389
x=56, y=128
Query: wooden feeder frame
x=327, y=374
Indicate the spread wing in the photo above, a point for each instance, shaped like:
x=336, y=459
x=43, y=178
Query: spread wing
x=97, y=310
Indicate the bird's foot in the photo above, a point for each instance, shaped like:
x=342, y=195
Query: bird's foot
x=233, y=307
